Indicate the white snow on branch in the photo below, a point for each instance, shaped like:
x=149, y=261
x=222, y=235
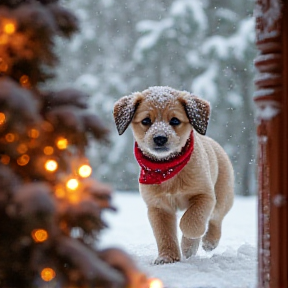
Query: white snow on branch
x=181, y=7
x=235, y=45
x=154, y=30
x=205, y=84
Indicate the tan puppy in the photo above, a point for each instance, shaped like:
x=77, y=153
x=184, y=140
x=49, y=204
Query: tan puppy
x=167, y=125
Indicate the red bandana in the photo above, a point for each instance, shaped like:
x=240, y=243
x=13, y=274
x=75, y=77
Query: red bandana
x=156, y=172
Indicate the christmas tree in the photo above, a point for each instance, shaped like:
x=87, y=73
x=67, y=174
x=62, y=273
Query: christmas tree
x=50, y=207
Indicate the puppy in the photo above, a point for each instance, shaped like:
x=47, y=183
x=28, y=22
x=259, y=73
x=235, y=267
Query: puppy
x=180, y=168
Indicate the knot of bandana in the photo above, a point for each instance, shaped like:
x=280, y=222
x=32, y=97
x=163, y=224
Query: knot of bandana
x=156, y=172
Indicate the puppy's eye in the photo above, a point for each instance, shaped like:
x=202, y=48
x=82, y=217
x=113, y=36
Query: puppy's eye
x=174, y=121
x=146, y=121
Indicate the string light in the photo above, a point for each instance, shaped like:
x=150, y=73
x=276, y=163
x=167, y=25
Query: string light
x=48, y=150
x=9, y=28
x=85, y=171
x=10, y=137
x=2, y=118
x=33, y=133
x=155, y=283
x=22, y=148
x=51, y=165
x=5, y=159
x=47, y=274
x=23, y=160
x=62, y=143
x=39, y=235
x=25, y=81
x=72, y=184
x=73, y=195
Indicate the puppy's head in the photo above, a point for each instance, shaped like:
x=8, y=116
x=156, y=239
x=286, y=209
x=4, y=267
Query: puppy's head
x=162, y=119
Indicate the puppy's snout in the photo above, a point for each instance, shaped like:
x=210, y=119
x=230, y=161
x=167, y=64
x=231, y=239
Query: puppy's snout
x=160, y=140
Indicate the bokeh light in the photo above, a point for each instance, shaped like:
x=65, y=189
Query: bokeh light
x=5, y=159
x=51, y=165
x=48, y=150
x=2, y=118
x=155, y=283
x=23, y=160
x=10, y=137
x=9, y=28
x=62, y=143
x=72, y=184
x=39, y=235
x=47, y=274
x=22, y=148
x=85, y=171
x=33, y=133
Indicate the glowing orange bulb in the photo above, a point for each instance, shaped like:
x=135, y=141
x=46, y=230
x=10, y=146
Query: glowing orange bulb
x=9, y=28
x=48, y=150
x=5, y=159
x=10, y=137
x=51, y=165
x=33, y=133
x=22, y=148
x=2, y=118
x=72, y=184
x=47, y=274
x=23, y=160
x=62, y=143
x=155, y=283
x=85, y=171
x=39, y=235
x=25, y=82
x=24, y=79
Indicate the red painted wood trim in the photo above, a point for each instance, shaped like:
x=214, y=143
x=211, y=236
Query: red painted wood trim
x=271, y=98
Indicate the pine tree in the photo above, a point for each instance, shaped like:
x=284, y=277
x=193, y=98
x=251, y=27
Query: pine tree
x=50, y=206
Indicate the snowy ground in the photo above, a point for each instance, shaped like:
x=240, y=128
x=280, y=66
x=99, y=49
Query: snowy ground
x=231, y=265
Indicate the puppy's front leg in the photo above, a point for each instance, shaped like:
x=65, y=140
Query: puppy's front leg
x=194, y=222
x=164, y=228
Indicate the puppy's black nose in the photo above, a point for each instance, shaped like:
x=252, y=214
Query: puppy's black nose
x=160, y=140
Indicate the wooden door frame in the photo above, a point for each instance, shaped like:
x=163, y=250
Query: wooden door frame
x=271, y=99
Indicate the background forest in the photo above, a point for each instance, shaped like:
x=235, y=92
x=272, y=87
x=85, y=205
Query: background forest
x=202, y=46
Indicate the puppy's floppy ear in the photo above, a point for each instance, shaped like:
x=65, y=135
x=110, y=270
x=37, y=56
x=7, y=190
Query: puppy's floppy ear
x=197, y=110
x=124, y=110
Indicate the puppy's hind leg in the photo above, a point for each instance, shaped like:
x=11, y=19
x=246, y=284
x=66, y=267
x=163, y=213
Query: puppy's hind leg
x=224, y=195
x=211, y=239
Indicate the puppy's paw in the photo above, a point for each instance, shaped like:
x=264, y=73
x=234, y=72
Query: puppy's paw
x=189, y=247
x=211, y=240
x=209, y=245
x=160, y=260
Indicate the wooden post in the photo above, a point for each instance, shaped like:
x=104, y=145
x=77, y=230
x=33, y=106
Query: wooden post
x=271, y=98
